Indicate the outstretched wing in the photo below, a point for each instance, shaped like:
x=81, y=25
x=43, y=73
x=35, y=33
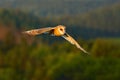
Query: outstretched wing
x=38, y=31
x=73, y=41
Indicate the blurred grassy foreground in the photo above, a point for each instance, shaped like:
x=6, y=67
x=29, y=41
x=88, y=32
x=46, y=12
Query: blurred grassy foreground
x=28, y=59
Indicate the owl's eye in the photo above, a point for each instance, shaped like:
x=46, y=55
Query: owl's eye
x=61, y=29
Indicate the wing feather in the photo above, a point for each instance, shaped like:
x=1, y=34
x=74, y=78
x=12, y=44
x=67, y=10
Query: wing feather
x=73, y=41
x=38, y=31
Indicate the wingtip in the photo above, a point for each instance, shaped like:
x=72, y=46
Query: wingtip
x=87, y=52
x=84, y=51
x=27, y=33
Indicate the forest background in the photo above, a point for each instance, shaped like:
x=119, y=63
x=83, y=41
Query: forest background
x=95, y=24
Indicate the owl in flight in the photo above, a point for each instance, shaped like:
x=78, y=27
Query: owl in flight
x=58, y=31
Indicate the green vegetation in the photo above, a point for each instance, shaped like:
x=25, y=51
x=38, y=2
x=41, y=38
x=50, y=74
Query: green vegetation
x=103, y=22
x=108, y=46
x=106, y=18
x=103, y=18
x=56, y=7
x=17, y=19
x=23, y=57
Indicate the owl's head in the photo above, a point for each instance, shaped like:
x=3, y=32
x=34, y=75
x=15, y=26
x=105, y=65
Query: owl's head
x=61, y=29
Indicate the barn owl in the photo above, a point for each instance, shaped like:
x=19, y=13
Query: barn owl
x=59, y=31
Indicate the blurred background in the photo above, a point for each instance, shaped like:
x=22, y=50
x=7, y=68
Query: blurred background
x=95, y=24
